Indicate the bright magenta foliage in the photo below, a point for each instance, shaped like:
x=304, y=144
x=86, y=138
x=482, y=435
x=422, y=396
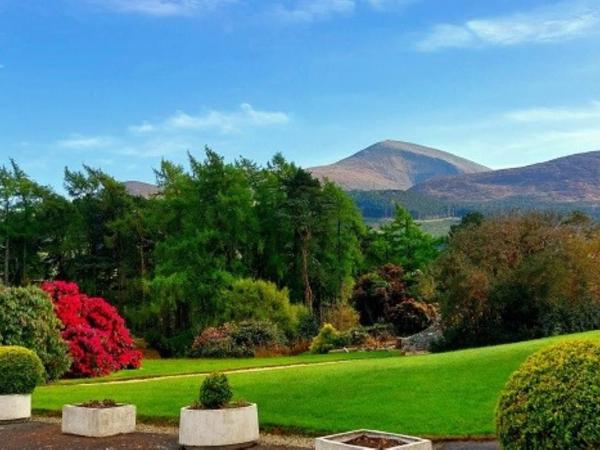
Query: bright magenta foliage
x=98, y=339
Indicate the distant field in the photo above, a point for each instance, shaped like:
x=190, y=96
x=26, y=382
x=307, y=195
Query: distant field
x=438, y=227
x=435, y=227
x=440, y=395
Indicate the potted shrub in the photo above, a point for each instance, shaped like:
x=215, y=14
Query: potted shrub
x=20, y=372
x=98, y=418
x=215, y=422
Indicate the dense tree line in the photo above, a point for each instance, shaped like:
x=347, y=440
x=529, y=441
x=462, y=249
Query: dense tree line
x=165, y=261
x=516, y=277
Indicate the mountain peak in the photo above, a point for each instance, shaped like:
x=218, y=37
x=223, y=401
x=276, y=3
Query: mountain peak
x=392, y=164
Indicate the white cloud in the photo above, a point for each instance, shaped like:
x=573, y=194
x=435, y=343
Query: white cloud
x=386, y=4
x=560, y=22
x=79, y=142
x=144, y=127
x=162, y=8
x=313, y=10
x=556, y=114
x=225, y=122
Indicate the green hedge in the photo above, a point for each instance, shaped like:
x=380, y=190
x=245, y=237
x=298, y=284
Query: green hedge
x=553, y=400
x=21, y=370
x=27, y=319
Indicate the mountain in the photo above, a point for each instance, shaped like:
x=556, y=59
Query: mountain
x=141, y=189
x=571, y=179
x=394, y=165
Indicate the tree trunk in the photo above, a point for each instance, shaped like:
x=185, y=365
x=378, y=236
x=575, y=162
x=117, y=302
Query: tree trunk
x=308, y=294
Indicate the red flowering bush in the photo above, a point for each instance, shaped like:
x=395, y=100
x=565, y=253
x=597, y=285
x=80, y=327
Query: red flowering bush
x=99, y=342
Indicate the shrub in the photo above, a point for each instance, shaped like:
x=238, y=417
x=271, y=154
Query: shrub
x=260, y=300
x=215, y=391
x=342, y=316
x=410, y=317
x=383, y=297
x=308, y=326
x=98, y=340
x=551, y=401
x=27, y=319
x=21, y=370
x=327, y=339
x=237, y=340
x=252, y=334
x=216, y=342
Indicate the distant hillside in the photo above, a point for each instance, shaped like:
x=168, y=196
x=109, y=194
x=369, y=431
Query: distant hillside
x=140, y=188
x=572, y=179
x=394, y=165
x=382, y=204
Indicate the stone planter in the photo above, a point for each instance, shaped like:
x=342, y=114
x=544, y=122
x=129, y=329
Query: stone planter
x=15, y=407
x=98, y=422
x=227, y=427
x=343, y=441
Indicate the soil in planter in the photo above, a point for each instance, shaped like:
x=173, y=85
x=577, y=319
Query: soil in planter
x=230, y=405
x=378, y=443
x=107, y=403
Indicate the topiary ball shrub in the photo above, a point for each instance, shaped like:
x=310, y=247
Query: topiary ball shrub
x=21, y=370
x=553, y=400
x=215, y=392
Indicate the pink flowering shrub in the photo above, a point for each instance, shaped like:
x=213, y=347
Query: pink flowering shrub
x=99, y=342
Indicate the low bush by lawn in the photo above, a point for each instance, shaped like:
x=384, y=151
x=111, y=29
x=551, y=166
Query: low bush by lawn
x=450, y=394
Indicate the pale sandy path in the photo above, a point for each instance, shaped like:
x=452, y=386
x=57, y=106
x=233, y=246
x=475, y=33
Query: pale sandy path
x=196, y=374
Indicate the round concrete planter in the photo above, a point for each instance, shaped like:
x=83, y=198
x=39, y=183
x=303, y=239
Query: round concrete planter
x=15, y=407
x=98, y=422
x=228, y=427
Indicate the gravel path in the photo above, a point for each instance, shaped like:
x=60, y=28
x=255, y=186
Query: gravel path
x=189, y=375
x=44, y=433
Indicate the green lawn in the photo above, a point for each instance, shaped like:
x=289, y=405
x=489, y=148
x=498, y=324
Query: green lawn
x=164, y=367
x=441, y=395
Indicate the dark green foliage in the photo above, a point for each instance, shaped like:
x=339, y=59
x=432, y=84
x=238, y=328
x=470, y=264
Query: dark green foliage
x=401, y=242
x=382, y=204
x=215, y=392
x=20, y=370
x=260, y=300
x=553, y=400
x=27, y=319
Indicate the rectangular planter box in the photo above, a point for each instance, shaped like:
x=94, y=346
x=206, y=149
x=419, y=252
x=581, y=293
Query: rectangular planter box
x=340, y=441
x=98, y=422
x=15, y=407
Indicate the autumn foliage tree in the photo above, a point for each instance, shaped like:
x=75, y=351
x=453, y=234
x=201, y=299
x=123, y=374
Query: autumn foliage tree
x=99, y=342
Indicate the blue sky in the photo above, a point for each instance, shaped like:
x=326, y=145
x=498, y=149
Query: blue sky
x=118, y=84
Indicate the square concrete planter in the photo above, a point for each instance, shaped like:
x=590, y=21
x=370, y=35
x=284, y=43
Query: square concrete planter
x=98, y=422
x=15, y=407
x=343, y=441
x=227, y=427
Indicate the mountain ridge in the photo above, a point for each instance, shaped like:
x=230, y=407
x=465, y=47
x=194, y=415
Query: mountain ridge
x=568, y=179
x=393, y=164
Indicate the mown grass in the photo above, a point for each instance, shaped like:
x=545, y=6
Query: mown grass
x=440, y=395
x=165, y=367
